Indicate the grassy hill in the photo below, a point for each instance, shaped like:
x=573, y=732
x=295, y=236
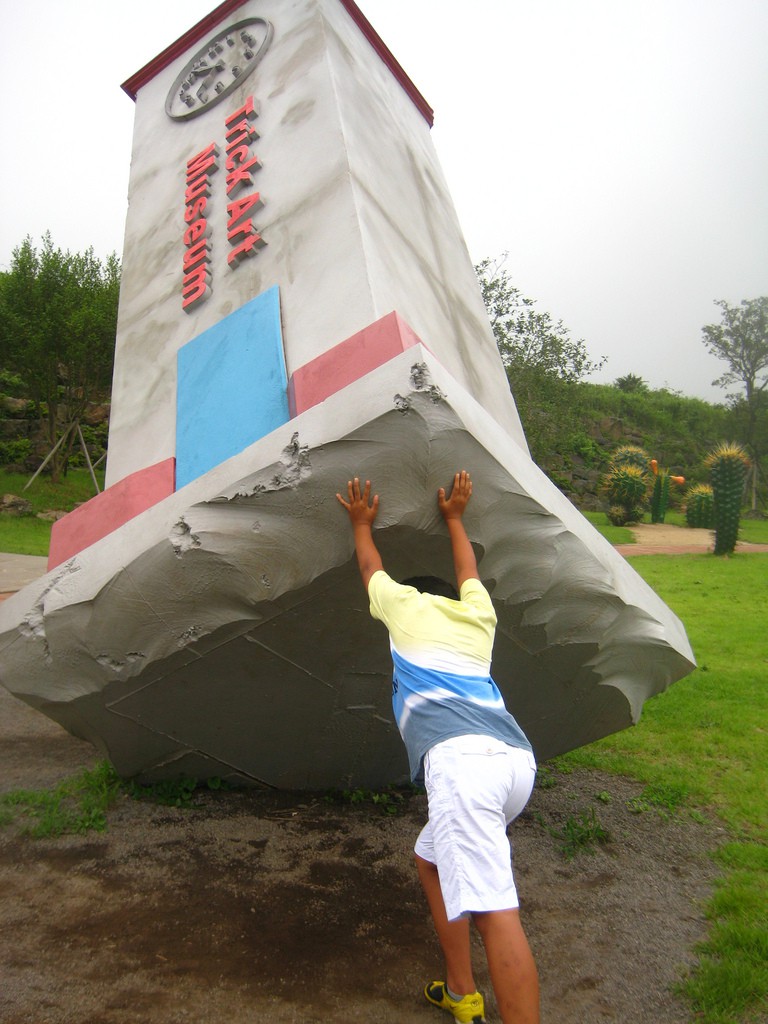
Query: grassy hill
x=572, y=435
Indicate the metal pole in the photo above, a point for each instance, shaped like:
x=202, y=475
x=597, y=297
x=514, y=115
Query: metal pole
x=88, y=459
x=49, y=456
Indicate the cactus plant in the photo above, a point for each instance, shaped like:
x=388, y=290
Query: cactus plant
x=617, y=515
x=660, y=492
x=659, y=496
x=630, y=455
x=728, y=465
x=626, y=487
x=700, y=507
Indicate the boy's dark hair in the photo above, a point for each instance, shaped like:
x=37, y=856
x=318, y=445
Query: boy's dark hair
x=432, y=585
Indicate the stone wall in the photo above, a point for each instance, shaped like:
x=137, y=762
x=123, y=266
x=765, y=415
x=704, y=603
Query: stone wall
x=20, y=422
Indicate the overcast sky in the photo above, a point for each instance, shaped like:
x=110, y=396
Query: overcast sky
x=618, y=151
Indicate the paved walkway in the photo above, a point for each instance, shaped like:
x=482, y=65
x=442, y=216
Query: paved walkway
x=16, y=571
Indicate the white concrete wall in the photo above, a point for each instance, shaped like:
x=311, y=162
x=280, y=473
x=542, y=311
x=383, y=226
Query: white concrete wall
x=415, y=251
x=357, y=220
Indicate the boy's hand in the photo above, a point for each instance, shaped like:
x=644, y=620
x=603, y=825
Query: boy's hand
x=461, y=492
x=361, y=513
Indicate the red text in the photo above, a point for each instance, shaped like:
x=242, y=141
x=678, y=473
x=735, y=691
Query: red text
x=196, y=283
x=241, y=164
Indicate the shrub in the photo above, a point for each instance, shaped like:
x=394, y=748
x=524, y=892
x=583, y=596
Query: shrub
x=12, y=384
x=16, y=452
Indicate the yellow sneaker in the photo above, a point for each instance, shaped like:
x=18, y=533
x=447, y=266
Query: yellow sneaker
x=470, y=1009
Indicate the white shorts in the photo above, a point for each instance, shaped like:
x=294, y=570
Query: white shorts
x=475, y=786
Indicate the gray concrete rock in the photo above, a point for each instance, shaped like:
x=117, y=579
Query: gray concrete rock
x=225, y=632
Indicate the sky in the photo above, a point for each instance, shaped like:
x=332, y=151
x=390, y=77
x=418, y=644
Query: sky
x=615, y=150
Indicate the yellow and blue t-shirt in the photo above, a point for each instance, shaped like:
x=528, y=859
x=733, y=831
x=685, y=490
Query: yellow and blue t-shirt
x=441, y=649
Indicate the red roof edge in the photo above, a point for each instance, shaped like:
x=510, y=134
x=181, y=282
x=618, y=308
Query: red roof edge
x=132, y=85
x=387, y=56
x=182, y=44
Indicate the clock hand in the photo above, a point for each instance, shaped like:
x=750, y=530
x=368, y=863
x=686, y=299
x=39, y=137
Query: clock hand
x=206, y=69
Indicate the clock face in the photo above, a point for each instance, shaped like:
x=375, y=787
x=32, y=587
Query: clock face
x=217, y=68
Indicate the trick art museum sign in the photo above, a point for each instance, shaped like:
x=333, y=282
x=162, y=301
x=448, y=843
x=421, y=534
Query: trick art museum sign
x=207, y=79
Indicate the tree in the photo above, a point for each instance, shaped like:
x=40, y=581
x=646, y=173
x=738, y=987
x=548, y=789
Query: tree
x=542, y=360
x=631, y=383
x=528, y=338
x=741, y=340
x=58, y=317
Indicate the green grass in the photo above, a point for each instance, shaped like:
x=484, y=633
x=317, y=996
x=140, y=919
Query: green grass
x=75, y=806
x=754, y=531
x=581, y=833
x=614, y=534
x=702, y=745
x=24, y=535
x=673, y=517
x=27, y=535
x=390, y=800
x=43, y=495
x=79, y=804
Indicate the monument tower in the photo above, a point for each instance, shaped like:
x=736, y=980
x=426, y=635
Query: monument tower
x=298, y=306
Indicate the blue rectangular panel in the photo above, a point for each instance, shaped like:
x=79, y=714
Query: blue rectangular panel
x=231, y=387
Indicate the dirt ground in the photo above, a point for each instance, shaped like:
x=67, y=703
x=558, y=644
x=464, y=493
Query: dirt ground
x=252, y=906
x=663, y=539
x=292, y=909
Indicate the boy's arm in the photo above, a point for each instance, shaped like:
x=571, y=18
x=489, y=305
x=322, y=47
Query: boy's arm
x=362, y=515
x=452, y=509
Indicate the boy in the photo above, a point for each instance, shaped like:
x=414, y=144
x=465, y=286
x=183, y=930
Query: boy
x=476, y=763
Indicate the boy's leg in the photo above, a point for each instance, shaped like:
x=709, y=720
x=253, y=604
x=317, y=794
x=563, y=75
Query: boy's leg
x=452, y=935
x=511, y=964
